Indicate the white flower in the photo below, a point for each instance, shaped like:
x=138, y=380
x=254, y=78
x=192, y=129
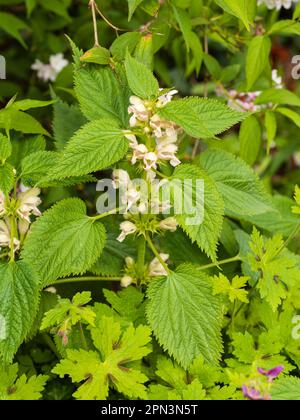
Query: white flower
x=120, y=178
x=167, y=151
x=139, y=153
x=277, y=80
x=170, y=223
x=28, y=204
x=126, y=281
x=5, y=240
x=127, y=228
x=132, y=138
x=166, y=98
x=139, y=111
x=49, y=72
x=51, y=289
x=150, y=161
x=156, y=268
x=2, y=204
x=277, y=4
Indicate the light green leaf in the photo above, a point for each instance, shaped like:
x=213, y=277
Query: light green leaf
x=286, y=389
x=5, y=148
x=291, y=115
x=127, y=41
x=132, y=6
x=12, y=119
x=185, y=25
x=6, y=177
x=243, y=193
x=96, y=146
x=208, y=215
x=285, y=27
x=21, y=388
x=71, y=240
x=97, y=55
x=13, y=25
x=279, y=97
x=201, y=117
x=250, y=139
x=239, y=8
x=26, y=104
x=19, y=287
x=257, y=58
x=194, y=328
x=140, y=79
x=102, y=94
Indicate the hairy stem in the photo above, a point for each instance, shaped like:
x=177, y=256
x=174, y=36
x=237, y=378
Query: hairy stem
x=222, y=262
x=83, y=279
x=156, y=253
x=92, y=5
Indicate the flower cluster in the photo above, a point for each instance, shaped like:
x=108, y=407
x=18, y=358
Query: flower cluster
x=162, y=134
x=22, y=207
x=258, y=390
x=50, y=71
x=277, y=4
x=245, y=102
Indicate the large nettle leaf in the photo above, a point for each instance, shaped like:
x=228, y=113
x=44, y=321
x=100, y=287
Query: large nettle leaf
x=203, y=223
x=201, y=117
x=185, y=316
x=243, y=193
x=102, y=94
x=19, y=287
x=94, y=147
x=64, y=241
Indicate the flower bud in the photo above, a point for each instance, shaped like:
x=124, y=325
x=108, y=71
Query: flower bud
x=126, y=281
x=170, y=223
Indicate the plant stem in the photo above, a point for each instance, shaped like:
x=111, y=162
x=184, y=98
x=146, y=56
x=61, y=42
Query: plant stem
x=141, y=255
x=106, y=20
x=108, y=213
x=83, y=339
x=51, y=345
x=222, y=262
x=156, y=253
x=292, y=235
x=83, y=279
x=92, y=5
x=12, y=238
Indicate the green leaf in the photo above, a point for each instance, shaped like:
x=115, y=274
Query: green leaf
x=128, y=303
x=124, y=42
x=212, y=66
x=185, y=25
x=221, y=285
x=5, y=148
x=194, y=328
x=291, y=115
x=111, y=363
x=24, y=147
x=67, y=120
x=285, y=27
x=96, y=146
x=208, y=215
x=12, y=119
x=19, y=287
x=243, y=193
x=286, y=389
x=27, y=104
x=102, y=94
x=257, y=58
x=278, y=97
x=56, y=6
x=238, y=8
x=201, y=117
x=13, y=25
x=250, y=139
x=6, y=178
x=97, y=55
x=132, y=6
x=140, y=79
x=71, y=240
x=271, y=127
x=21, y=388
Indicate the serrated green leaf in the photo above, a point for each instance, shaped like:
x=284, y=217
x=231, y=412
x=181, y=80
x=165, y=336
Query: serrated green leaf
x=6, y=178
x=257, y=58
x=71, y=240
x=201, y=117
x=97, y=55
x=128, y=303
x=5, y=148
x=194, y=327
x=19, y=286
x=286, y=389
x=13, y=387
x=250, y=140
x=240, y=187
x=96, y=146
x=102, y=94
x=209, y=212
x=140, y=79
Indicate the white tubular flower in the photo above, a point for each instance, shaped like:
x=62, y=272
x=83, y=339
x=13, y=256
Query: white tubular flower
x=133, y=143
x=139, y=153
x=126, y=281
x=156, y=269
x=277, y=4
x=127, y=228
x=28, y=204
x=138, y=110
x=120, y=179
x=5, y=240
x=166, y=98
x=167, y=151
x=51, y=289
x=130, y=197
x=2, y=204
x=150, y=161
x=170, y=223
x=129, y=262
x=23, y=226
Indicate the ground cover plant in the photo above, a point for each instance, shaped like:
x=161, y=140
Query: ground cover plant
x=149, y=200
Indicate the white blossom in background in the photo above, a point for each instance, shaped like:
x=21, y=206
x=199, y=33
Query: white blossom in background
x=50, y=71
x=277, y=4
x=156, y=268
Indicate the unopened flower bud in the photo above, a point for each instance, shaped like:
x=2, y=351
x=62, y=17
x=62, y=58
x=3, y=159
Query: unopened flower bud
x=126, y=281
x=170, y=223
x=127, y=228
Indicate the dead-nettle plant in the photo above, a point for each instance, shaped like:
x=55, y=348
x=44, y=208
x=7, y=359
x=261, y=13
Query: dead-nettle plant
x=160, y=213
